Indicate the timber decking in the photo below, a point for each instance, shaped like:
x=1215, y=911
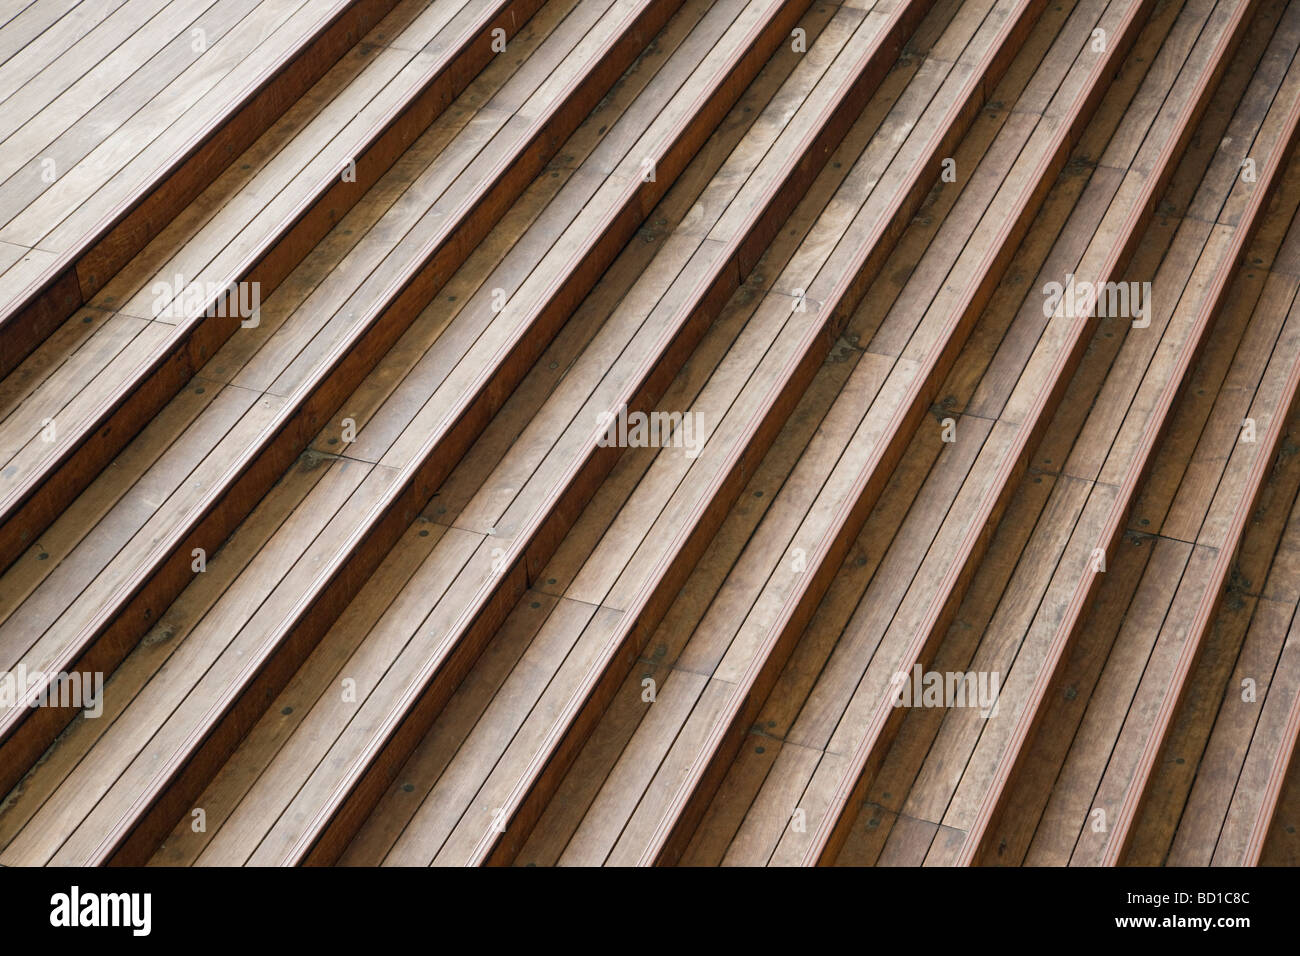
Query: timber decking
x=367, y=581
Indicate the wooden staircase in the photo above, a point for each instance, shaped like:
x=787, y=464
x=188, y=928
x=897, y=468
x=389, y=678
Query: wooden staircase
x=650, y=432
